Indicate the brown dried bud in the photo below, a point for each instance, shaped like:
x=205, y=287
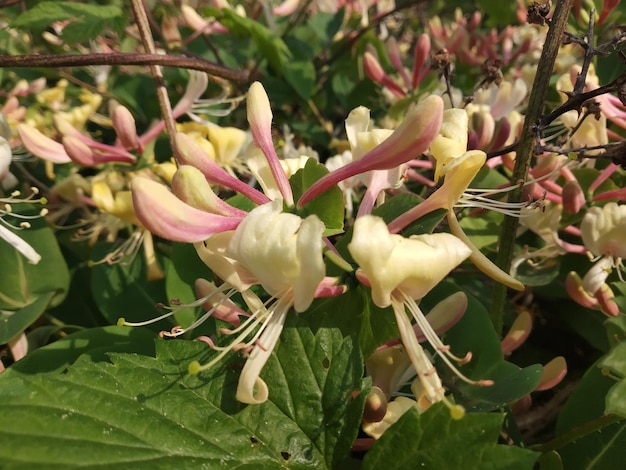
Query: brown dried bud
x=537, y=13
x=593, y=108
x=440, y=59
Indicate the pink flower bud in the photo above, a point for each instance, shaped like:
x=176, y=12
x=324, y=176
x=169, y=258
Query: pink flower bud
x=374, y=70
x=573, y=197
x=420, y=58
x=260, y=120
x=124, y=125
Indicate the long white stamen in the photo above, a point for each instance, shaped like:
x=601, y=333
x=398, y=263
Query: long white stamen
x=173, y=310
x=442, y=350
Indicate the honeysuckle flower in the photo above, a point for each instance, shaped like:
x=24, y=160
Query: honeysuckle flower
x=458, y=169
x=258, y=167
x=400, y=272
x=408, y=141
x=284, y=253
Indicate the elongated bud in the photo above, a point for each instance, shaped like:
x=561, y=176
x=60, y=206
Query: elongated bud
x=79, y=152
x=374, y=70
x=553, y=372
x=396, y=59
x=573, y=197
x=260, y=120
x=420, y=57
x=124, y=125
x=190, y=185
x=191, y=153
x=576, y=291
x=605, y=299
x=518, y=333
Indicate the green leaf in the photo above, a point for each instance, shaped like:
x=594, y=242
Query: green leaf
x=123, y=291
x=95, y=342
x=484, y=230
x=326, y=25
x=270, y=45
x=150, y=413
x=591, y=447
x=539, y=274
x=615, y=362
x=359, y=316
x=435, y=440
x=23, y=283
x=28, y=290
x=181, y=271
x=300, y=74
x=86, y=21
x=398, y=205
x=327, y=206
x=13, y=323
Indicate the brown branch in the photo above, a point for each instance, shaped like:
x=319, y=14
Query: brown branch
x=115, y=58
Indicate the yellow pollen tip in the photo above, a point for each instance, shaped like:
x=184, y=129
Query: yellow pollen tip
x=43, y=200
x=194, y=368
x=121, y=321
x=457, y=412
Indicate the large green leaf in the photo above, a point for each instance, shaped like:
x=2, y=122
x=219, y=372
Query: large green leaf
x=27, y=290
x=591, y=446
x=435, y=440
x=87, y=21
x=270, y=45
x=149, y=413
x=300, y=74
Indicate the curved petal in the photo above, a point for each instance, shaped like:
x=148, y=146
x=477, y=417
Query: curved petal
x=419, y=127
x=190, y=185
x=42, y=146
x=165, y=215
x=249, y=378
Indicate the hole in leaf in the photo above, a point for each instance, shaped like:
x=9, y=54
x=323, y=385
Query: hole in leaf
x=254, y=440
x=325, y=363
x=285, y=455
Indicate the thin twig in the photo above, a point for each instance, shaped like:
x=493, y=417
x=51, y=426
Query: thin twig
x=157, y=73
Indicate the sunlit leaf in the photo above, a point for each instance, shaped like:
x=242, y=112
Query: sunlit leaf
x=434, y=440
